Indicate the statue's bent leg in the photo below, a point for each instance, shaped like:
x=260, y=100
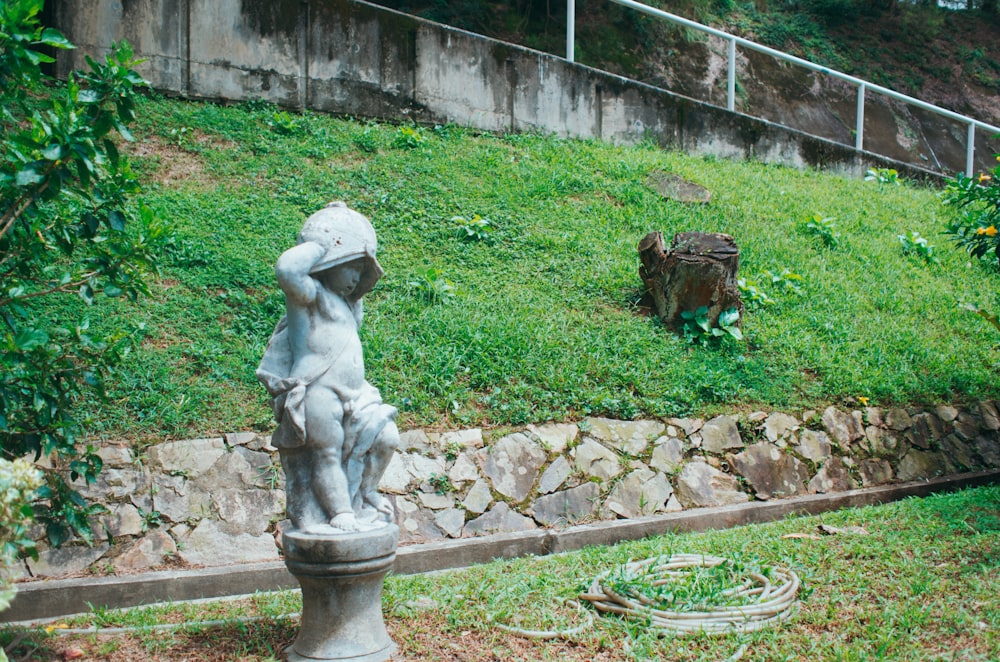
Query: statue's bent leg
x=376, y=462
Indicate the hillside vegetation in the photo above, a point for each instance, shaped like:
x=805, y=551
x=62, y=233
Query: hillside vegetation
x=944, y=56
x=523, y=309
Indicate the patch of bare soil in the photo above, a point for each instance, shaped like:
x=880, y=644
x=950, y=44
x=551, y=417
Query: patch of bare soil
x=424, y=637
x=174, y=164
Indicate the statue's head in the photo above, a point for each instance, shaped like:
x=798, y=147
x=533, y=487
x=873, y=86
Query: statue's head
x=347, y=236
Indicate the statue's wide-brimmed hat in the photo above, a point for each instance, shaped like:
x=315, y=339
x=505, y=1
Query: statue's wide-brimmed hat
x=348, y=236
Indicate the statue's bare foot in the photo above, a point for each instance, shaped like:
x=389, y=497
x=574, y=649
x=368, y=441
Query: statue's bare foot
x=379, y=503
x=346, y=522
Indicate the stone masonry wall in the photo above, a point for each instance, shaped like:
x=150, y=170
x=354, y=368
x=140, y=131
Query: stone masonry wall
x=220, y=501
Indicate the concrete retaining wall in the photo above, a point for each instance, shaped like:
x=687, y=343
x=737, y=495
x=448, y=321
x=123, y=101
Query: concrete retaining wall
x=349, y=57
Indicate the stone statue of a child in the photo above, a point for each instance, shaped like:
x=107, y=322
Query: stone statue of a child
x=334, y=434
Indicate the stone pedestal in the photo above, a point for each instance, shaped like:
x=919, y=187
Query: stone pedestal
x=341, y=577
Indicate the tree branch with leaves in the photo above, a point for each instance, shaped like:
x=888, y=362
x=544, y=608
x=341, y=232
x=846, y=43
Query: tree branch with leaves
x=68, y=225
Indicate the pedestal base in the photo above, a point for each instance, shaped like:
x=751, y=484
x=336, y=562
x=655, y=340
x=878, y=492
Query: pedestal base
x=341, y=577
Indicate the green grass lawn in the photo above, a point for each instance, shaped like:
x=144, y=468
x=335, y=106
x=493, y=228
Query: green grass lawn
x=532, y=317
x=919, y=583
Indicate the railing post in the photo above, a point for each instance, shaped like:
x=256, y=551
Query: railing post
x=731, y=82
x=970, y=150
x=859, y=128
x=570, y=27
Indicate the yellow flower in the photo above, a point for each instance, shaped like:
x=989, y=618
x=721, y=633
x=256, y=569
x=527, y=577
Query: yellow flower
x=989, y=232
x=863, y=400
x=983, y=177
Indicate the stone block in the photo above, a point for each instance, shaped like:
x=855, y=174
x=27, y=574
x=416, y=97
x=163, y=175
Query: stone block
x=451, y=521
x=770, y=472
x=464, y=470
x=780, y=426
x=875, y=471
x=554, y=475
x=66, y=560
x=898, y=419
x=629, y=437
x=512, y=465
x=642, y=492
x=146, y=552
x=554, y=437
x=499, y=519
x=189, y=458
x=569, y=506
x=813, y=445
x=469, y=439
x=720, y=434
x=842, y=427
x=595, y=461
x=122, y=520
x=989, y=416
x=921, y=465
x=668, y=455
x=209, y=545
x=699, y=485
x=415, y=441
x=397, y=478
x=248, y=511
x=832, y=477
x=479, y=498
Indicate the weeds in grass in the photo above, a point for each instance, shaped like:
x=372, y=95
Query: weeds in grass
x=914, y=244
x=698, y=328
x=824, y=228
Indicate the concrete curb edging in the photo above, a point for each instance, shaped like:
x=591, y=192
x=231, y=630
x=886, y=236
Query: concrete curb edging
x=60, y=597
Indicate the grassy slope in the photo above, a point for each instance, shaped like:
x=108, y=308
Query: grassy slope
x=543, y=325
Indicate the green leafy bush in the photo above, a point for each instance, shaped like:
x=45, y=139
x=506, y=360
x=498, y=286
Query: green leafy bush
x=18, y=481
x=978, y=202
x=66, y=227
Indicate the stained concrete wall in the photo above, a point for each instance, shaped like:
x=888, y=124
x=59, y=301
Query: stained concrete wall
x=353, y=58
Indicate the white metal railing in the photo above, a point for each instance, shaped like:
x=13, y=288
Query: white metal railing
x=863, y=85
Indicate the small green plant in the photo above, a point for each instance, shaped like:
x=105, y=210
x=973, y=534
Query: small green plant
x=476, y=228
x=181, y=137
x=914, y=244
x=883, y=176
x=409, y=137
x=284, y=123
x=825, y=228
x=441, y=484
x=367, y=141
x=271, y=475
x=453, y=450
x=150, y=519
x=698, y=327
x=433, y=286
x=786, y=280
x=978, y=202
x=752, y=294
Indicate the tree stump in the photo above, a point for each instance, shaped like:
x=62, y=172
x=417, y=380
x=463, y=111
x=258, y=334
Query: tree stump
x=698, y=270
